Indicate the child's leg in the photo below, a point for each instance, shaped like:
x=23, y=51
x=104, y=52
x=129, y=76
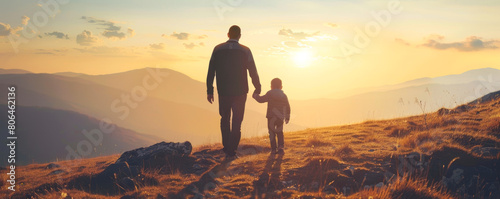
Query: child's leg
x=279, y=133
x=272, y=132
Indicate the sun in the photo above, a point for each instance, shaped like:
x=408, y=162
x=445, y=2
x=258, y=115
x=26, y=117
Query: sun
x=302, y=58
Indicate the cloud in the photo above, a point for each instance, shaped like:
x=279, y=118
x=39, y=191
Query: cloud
x=294, y=44
x=113, y=34
x=111, y=30
x=296, y=35
x=5, y=29
x=25, y=20
x=184, y=36
x=472, y=43
x=86, y=38
x=58, y=35
x=159, y=46
x=131, y=32
x=331, y=25
x=180, y=36
x=401, y=41
x=276, y=50
x=111, y=51
x=192, y=45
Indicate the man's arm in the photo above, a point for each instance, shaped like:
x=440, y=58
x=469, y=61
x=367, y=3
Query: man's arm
x=210, y=78
x=287, y=111
x=252, y=69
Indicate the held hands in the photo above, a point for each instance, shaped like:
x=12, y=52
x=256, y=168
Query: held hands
x=255, y=95
x=210, y=98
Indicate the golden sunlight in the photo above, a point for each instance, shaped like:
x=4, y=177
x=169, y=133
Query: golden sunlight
x=303, y=58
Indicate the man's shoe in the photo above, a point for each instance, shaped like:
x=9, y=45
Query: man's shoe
x=273, y=151
x=281, y=151
x=232, y=157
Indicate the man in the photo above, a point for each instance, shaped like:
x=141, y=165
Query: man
x=230, y=62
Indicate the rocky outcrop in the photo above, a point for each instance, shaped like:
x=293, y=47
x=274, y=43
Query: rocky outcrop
x=125, y=174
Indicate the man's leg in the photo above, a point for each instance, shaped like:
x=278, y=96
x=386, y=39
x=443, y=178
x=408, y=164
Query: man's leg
x=225, y=114
x=272, y=132
x=238, y=107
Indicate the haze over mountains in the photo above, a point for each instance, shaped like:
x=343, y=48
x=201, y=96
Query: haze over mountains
x=162, y=104
x=46, y=134
x=397, y=100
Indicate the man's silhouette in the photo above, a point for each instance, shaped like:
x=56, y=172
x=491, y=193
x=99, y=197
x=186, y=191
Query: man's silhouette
x=230, y=62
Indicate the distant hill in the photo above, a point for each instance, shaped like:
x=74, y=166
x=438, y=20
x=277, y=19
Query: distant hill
x=397, y=100
x=13, y=71
x=45, y=133
x=482, y=74
x=169, y=120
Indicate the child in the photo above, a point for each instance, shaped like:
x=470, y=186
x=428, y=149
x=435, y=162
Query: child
x=278, y=109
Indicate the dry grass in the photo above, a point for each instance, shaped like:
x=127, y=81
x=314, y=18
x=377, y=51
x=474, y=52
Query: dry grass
x=416, y=139
x=343, y=151
x=316, y=142
x=408, y=188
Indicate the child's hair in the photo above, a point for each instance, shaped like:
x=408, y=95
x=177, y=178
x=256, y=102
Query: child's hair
x=276, y=83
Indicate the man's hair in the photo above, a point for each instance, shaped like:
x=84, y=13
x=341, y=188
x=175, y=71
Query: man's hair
x=276, y=83
x=234, y=32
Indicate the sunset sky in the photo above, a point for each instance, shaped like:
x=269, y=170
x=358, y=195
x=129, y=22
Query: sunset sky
x=313, y=46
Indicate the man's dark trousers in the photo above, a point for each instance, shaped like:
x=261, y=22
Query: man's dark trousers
x=231, y=136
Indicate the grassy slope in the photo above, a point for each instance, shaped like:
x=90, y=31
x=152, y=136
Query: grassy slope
x=313, y=157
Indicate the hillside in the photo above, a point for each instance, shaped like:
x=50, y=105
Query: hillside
x=44, y=133
x=147, y=115
x=451, y=153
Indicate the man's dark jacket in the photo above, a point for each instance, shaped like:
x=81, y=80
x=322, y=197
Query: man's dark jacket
x=229, y=63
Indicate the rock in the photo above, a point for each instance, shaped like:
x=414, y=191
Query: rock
x=379, y=185
x=125, y=173
x=346, y=190
x=135, y=156
x=52, y=165
x=371, y=150
x=453, y=181
x=389, y=176
x=59, y=171
x=485, y=151
x=127, y=184
x=159, y=196
x=372, y=178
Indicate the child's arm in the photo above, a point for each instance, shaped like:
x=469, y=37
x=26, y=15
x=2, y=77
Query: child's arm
x=287, y=111
x=260, y=99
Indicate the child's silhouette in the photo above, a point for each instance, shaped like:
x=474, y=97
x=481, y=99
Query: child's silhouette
x=278, y=111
